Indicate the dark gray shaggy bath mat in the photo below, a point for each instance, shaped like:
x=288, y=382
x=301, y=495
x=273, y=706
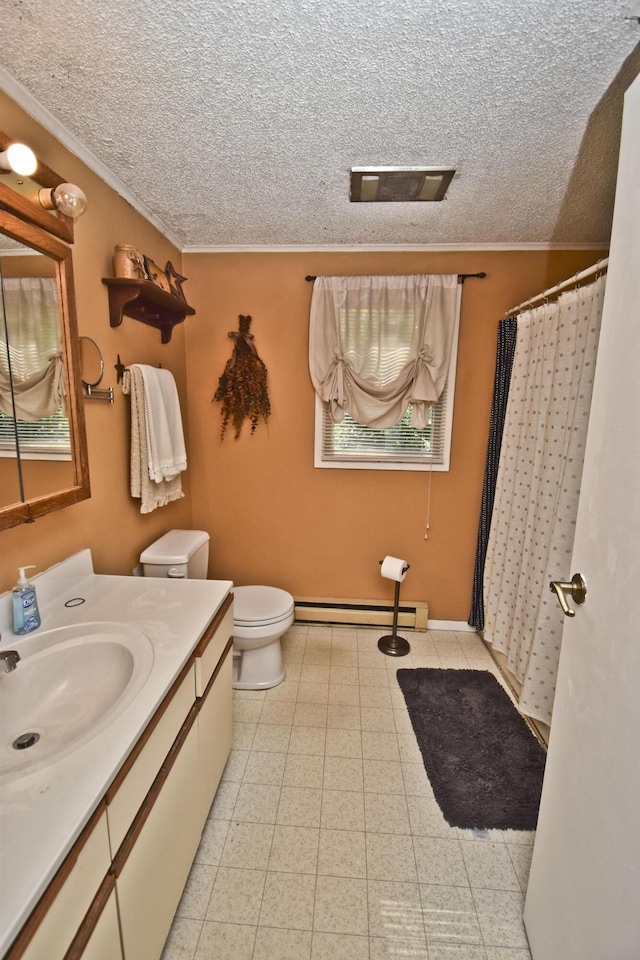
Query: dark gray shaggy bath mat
x=484, y=764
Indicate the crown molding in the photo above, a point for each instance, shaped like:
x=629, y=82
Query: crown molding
x=394, y=248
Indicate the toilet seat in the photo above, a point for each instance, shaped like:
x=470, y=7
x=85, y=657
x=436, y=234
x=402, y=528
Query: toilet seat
x=257, y=606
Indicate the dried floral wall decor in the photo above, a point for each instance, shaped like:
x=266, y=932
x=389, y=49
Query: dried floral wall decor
x=242, y=388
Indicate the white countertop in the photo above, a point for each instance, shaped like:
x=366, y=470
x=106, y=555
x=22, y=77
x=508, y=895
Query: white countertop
x=43, y=812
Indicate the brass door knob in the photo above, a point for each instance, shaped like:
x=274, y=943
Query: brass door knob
x=576, y=589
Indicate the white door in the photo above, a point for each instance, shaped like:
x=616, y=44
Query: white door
x=583, y=901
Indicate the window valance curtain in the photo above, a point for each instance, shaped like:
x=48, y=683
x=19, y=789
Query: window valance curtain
x=378, y=344
x=33, y=333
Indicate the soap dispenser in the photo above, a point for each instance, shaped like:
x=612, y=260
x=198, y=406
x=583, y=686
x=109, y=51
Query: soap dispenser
x=25, y=605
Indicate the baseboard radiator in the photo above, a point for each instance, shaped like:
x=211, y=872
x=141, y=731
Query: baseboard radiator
x=412, y=614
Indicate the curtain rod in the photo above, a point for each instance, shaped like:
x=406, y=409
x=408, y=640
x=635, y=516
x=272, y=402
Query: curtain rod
x=461, y=277
x=600, y=265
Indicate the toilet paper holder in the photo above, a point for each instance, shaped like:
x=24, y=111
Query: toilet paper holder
x=392, y=645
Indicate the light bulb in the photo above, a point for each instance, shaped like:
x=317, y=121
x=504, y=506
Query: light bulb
x=69, y=199
x=19, y=158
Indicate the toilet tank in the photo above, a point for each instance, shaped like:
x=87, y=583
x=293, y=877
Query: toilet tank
x=179, y=554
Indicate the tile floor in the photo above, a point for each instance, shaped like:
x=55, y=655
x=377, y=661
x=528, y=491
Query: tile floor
x=324, y=841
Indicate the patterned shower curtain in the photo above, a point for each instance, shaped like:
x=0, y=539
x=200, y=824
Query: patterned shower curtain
x=538, y=486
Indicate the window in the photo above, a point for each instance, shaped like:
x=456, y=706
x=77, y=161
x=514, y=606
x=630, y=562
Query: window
x=350, y=445
x=378, y=344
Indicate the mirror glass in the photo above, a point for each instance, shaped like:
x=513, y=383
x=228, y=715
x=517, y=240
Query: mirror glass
x=43, y=461
x=35, y=443
x=91, y=363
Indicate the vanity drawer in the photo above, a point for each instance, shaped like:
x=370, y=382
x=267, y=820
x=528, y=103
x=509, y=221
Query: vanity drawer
x=129, y=789
x=99, y=935
x=212, y=645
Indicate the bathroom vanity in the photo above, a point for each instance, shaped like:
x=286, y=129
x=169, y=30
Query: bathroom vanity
x=98, y=834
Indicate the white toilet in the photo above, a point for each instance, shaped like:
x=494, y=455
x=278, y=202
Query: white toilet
x=261, y=614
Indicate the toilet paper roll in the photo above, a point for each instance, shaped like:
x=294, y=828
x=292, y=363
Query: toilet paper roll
x=394, y=569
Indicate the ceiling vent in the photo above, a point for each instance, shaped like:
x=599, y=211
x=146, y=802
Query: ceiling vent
x=399, y=184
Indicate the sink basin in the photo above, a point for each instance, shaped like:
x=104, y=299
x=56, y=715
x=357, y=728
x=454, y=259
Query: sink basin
x=69, y=685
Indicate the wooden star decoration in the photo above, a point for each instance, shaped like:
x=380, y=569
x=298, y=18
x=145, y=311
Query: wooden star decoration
x=175, y=280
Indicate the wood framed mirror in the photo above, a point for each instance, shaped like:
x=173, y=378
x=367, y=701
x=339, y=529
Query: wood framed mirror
x=45, y=467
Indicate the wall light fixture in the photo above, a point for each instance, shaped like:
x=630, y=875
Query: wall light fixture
x=19, y=158
x=66, y=197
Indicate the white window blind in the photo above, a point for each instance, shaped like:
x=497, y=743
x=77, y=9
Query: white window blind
x=402, y=442
x=44, y=439
x=401, y=447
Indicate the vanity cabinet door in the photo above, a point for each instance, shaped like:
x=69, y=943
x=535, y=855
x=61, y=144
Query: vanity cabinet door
x=49, y=932
x=214, y=732
x=99, y=935
x=156, y=857
x=130, y=788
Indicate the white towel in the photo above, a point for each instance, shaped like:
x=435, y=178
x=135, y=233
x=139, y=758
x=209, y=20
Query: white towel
x=166, y=453
x=151, y=494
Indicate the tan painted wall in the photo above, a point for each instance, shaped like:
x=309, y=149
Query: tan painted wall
x=273, y=518
x=110, y=522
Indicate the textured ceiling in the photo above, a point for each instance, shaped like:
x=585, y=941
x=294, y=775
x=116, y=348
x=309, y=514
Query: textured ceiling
x=235, y=122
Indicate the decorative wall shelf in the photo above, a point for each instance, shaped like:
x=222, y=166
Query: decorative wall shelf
x=146, y=302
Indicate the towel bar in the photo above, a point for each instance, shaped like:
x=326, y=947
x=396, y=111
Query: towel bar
x=120, y=368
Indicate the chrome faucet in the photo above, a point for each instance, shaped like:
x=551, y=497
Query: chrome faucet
x=10, y=659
